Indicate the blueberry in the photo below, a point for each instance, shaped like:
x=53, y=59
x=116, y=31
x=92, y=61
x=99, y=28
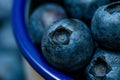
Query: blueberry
x=83, y=8
x=105, y=65
x=67, y=45
x=106, y=26
x=42, y=18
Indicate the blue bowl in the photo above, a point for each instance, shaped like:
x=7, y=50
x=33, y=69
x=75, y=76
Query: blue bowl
x=28, y=49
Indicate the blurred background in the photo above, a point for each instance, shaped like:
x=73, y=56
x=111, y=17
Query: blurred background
x=13, y=66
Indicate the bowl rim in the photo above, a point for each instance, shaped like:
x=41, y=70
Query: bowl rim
x=28, y=49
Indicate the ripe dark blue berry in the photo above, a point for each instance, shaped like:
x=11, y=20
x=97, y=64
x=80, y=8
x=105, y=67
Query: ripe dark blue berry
x=106, y=26
x=42, y=18
x=105, y=65
x=83, y=8
x=68, y=45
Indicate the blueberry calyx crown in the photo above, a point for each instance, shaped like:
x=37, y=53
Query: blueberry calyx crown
x=100, y=68
x=115, y=7
x=60, y=36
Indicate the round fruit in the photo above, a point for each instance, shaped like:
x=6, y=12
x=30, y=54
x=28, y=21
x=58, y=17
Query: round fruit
x=42, y=18
x=105, y=65
x=68, y=45
x=106, y=26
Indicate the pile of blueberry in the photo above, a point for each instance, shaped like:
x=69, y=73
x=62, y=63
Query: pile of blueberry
x=80, y=38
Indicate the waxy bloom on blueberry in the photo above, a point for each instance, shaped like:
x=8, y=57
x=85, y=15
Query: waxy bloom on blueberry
x=68, y=45
x=44, y=16
x=105, y=65
x=106, y=26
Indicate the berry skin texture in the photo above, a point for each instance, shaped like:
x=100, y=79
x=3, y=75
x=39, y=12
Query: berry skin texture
x=106, y=26
x=105, y=65
x=68, y=45
x=42, y=18
x=83, y=8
